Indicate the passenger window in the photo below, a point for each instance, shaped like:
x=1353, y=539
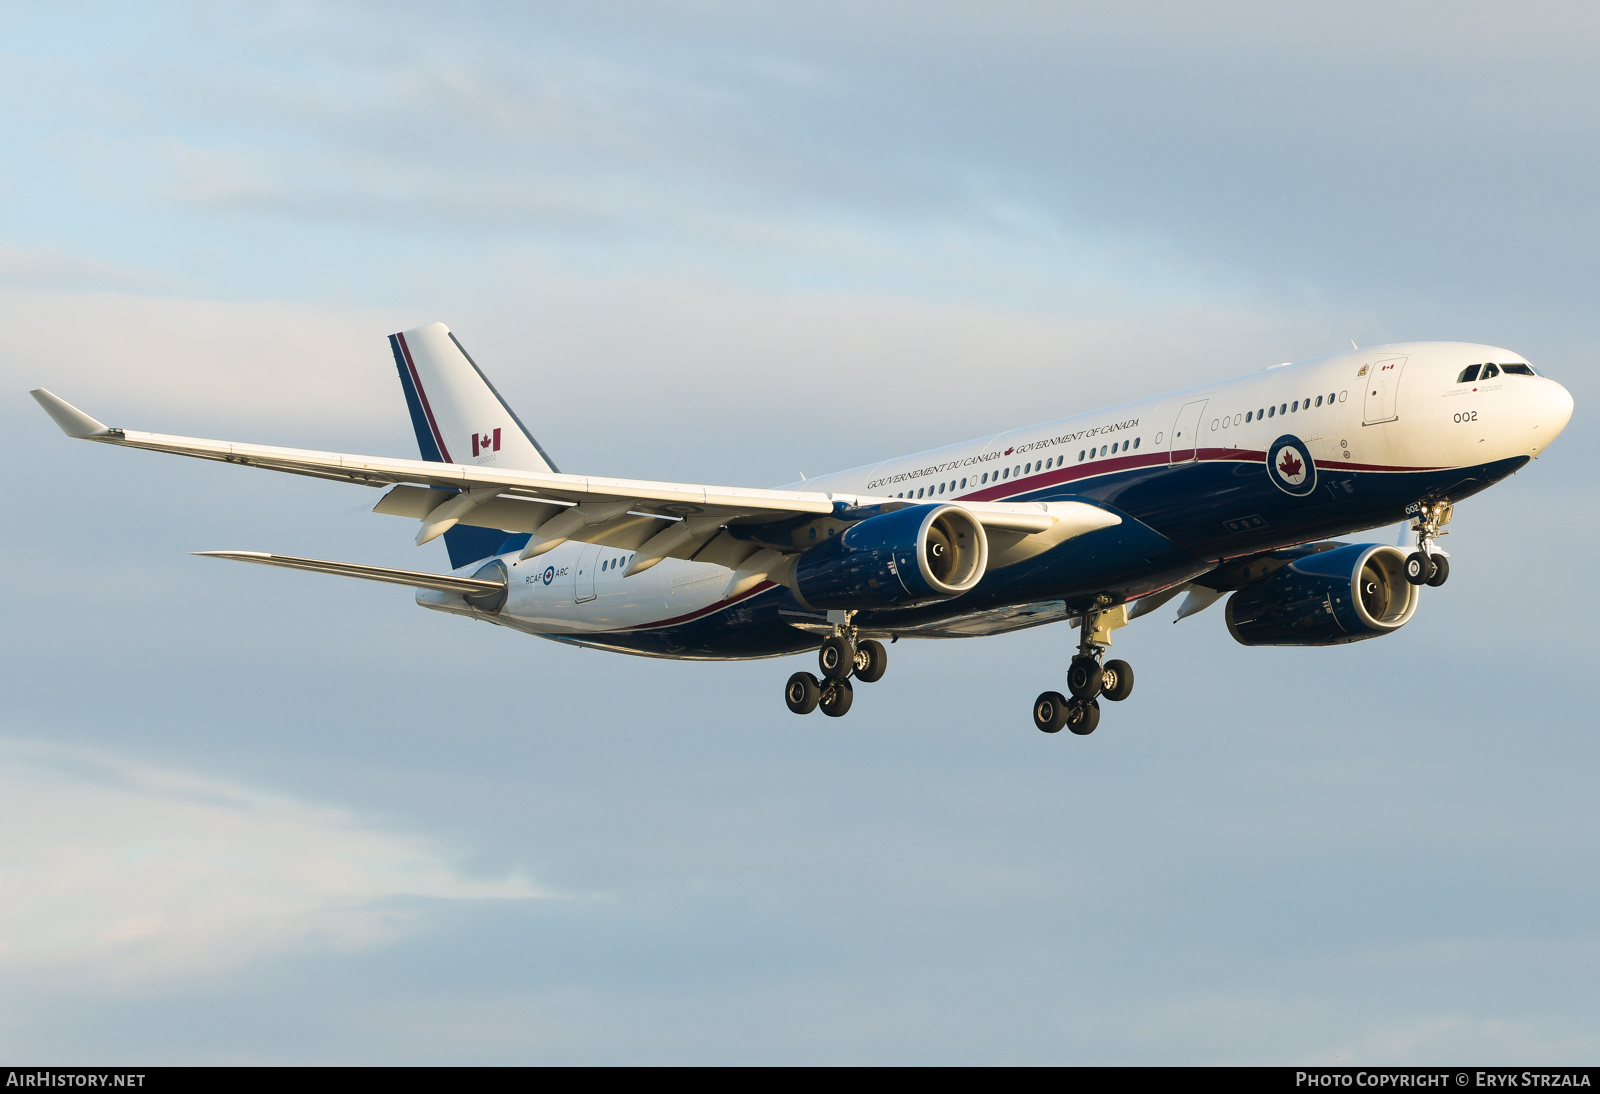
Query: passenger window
x=1330, y=396
x=1284, y=409
x=1005, y=473
x=1319, y=400
x=1248, y=415
x=1271, y=410
x=1081, y=454
x=1468, y=374
x=963, y=484
x=1518, y=370
x=1294, y=407
x=919, y=491
x=1489, y=372
x=1136, y=443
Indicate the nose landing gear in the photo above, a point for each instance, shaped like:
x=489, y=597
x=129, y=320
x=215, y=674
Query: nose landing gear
x=1428, y=565
x=1088, y=679
x=840, y=658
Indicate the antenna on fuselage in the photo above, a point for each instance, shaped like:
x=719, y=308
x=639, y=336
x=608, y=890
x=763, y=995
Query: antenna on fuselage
x=1353, y=344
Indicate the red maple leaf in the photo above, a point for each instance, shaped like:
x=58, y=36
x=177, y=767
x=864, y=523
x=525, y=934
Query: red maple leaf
x=1289, y=465
x=1009, y=451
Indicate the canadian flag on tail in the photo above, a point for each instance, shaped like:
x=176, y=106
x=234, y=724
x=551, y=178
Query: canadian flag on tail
x=485, y=442
x=450, y=401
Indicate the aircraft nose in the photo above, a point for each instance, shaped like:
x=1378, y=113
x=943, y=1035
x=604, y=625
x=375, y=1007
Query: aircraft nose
x=1552, y=411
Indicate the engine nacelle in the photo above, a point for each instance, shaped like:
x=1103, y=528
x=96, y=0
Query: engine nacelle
x=1343, y=595
x=911, y=556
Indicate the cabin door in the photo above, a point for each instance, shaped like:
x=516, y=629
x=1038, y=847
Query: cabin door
x=1383, y=391
x=583, y=589
x=1185, y=443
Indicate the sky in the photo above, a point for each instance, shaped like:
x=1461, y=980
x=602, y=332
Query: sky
x=272, y=817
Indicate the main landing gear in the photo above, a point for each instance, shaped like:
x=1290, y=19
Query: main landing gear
x=1428, y=565
x=840, y=658
x=1088, y=680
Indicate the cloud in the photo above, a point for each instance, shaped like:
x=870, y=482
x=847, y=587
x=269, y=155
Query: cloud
x=51, y=268
x=179, y=364
x=136, y=872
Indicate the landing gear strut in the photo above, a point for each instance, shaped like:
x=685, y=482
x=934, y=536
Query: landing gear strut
x=1088, y=679
x=1428, y=565
x=842, y=656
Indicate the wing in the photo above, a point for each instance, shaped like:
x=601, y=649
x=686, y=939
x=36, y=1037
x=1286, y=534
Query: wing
x=655, y=520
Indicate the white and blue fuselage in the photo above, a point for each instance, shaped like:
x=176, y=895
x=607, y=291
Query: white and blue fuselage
x=1283, y=456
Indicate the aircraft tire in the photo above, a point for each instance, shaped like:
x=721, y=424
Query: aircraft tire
x=1050, y=712
x=1083, y=716
x=1083, y=677
x=1441, y=571
x=1419, y=568
x=1116, y=681
x=836, y=659
x=802, y=693
x=836, y=698
x=872, y=661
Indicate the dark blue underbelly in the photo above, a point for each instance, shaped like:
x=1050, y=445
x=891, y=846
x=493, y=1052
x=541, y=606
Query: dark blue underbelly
x=1178, y=521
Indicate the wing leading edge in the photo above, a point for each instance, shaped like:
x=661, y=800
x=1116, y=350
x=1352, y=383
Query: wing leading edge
x=656, y=520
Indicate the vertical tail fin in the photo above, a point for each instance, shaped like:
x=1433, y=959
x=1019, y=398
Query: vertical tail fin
x=459, y=417
x=457, y=413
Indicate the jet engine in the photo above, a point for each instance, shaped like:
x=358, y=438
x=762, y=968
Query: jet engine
x=1334, y=596
x=909, y=556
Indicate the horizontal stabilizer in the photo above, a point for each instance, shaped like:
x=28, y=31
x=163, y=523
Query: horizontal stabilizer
x=415, y=579
x=73, y=422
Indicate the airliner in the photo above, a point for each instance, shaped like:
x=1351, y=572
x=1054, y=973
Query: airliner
x=1232, y=489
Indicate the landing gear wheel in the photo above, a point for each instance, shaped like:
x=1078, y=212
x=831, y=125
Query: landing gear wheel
x=1441, y=571
x=1116, y=681
x=1419, y=568
x=836, y=658
x=1050, y=712
x=836, y=698
x=872, y=661
x=1082, y=716
x=1083, y=677
x=802, y=693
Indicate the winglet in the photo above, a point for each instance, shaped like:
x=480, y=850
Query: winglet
x=73, y=422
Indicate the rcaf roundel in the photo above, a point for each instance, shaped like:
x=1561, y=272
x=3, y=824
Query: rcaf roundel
x=1290, y=467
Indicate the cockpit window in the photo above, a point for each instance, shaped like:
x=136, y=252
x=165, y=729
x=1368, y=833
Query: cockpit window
x=1490, y=372
x=1518, y=370
x=1468, y=374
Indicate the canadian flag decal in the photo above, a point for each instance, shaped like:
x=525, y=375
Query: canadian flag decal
x=485, y=442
